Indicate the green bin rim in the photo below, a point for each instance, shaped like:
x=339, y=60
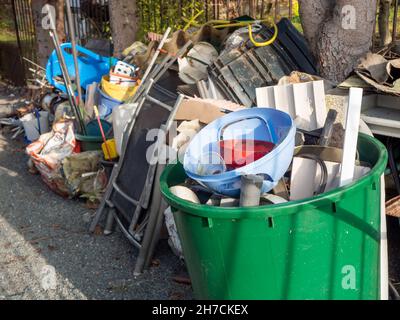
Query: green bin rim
x=270, y=211
x=88, y=138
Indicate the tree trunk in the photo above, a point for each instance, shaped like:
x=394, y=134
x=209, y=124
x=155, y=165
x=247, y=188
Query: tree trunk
x=43, y=41
x=384, y=14
x=339, y=33
x=124, y=24
x=60, y=4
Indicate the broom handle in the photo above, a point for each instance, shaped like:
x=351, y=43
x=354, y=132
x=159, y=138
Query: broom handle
x=96, y=112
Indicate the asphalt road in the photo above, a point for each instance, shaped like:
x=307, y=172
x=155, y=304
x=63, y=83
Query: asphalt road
x=47, y=253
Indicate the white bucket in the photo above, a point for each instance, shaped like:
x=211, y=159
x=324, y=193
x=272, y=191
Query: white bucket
x=35, y=127
x=120, y=118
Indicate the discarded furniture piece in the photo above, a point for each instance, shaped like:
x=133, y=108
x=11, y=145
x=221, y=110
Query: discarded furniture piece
x=151, y=71
x=239, y=71
x=133, y=205
x=152, y=107
x=310, y=241
x=138, y=211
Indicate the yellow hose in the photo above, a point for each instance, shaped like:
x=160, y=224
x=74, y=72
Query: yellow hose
x=220, y=24
x=266, y=43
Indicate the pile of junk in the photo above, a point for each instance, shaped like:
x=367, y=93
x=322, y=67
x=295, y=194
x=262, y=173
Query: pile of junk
x=219, y=138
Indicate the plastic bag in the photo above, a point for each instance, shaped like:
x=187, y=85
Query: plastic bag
x=84, y=176
x=49, y=151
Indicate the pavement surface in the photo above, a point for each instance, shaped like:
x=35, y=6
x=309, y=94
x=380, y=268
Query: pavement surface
x=47, y=253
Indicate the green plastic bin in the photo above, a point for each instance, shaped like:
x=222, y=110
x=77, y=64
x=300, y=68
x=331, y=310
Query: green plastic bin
x=93, y=140
x=327, y=247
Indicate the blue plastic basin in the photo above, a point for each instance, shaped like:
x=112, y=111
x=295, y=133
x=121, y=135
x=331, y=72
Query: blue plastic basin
x=263, y=124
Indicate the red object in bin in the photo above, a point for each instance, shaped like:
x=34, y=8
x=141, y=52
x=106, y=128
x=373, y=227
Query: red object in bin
x=238, y=153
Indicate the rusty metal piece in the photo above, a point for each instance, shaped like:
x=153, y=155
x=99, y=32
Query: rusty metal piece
x=182, y=280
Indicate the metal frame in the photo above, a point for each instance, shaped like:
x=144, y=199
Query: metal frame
x=154, y=214
x=151, y=224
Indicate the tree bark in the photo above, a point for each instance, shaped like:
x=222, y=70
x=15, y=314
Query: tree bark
x=60, y=4
x=313, y=14
x=124, y=24
x=339, y=33
x=383, y=22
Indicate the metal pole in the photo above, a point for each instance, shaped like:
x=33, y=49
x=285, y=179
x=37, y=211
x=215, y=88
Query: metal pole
x=17, y=34
x=74, y=52
x=67, y=81
x=251, y=190
x=151, y=64
x=327, y=131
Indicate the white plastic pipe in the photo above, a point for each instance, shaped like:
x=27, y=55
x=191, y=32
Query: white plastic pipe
x=351, y=136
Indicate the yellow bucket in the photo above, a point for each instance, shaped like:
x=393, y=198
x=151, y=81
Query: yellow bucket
x=112, y=148
x=116, y=91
